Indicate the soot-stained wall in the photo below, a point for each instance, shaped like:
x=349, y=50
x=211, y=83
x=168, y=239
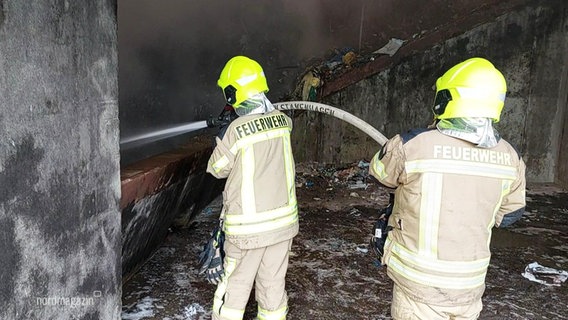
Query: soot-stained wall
x=528, y=45
x=59, y=160
x=172, y=51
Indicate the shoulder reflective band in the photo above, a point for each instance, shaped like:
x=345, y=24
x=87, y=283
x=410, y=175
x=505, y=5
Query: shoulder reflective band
x=379, y=168
x=220, y=164
x=462, y=167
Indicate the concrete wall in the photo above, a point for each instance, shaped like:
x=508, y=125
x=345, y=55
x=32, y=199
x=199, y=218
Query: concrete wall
x=59, y=160
x=162, y=191
x=562, y=161
x=528, y=45
x=172, y=51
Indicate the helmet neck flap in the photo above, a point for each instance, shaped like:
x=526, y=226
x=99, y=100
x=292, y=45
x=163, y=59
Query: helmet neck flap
x=478, y=131
x=256, y=104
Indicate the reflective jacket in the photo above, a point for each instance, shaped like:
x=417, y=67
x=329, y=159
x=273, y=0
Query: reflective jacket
x=259, y=200
x=449, y=196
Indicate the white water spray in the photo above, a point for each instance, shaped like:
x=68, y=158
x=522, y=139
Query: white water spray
x=164, y=133
x=290, y=105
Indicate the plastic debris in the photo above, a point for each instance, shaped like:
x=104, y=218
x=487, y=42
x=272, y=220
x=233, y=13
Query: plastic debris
x=363, y=164
x=355, y=212
x=310, y=83
x=544, y=275
x=358, y=185
x=344, y=55
x=377, y=263
x=391, y=47
x=362, y=250
x=349, y=58
x=355, y=174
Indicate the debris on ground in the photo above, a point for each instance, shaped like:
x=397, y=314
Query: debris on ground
x=339, y=61
x=391, y=47
x=331, y=182
x=545, y=275
x=332, y=273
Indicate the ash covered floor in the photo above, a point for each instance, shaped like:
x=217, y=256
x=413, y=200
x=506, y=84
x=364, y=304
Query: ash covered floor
x=333, y=275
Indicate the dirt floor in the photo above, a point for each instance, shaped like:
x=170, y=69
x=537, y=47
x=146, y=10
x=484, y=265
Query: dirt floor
x=333, y=275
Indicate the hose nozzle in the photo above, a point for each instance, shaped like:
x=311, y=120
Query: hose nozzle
x=213, y=122
x=225, y=117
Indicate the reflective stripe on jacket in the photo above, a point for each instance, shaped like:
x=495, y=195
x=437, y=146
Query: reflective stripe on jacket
x=259, y=199
x=449, y=196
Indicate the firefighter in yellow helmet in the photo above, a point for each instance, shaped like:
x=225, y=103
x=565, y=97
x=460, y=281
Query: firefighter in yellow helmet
x=454, y=182
x=260, y=213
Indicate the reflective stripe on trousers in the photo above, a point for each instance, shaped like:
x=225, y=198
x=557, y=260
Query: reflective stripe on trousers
x=279, y=314
x=220, y=311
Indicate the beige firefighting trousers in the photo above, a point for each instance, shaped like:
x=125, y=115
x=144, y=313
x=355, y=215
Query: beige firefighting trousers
x=265, y=268
x=404, y=308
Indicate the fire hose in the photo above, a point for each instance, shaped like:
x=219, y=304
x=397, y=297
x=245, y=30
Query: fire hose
x=226, y=116
x=335, y=112
x=380, y=227
x=211, y=256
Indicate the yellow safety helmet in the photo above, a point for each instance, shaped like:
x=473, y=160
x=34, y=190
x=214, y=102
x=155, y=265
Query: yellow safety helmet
x=241, y=79
x=473, y=88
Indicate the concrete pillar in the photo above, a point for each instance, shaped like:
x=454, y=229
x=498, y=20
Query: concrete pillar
x=59, y=160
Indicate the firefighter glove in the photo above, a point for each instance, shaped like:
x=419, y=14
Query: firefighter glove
x=214, y=272
x=211, y=257
x=225, y=118
x=381, y=229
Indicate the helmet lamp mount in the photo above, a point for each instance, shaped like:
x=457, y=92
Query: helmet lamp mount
x=441, y=102
x=230, y=93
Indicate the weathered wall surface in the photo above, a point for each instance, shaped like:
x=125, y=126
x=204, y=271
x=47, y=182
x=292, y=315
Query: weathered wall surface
x=161, y=191
x=562, y=161
x=562, y=173
x=172, y=51
x=59, y=160
x=528, y=45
